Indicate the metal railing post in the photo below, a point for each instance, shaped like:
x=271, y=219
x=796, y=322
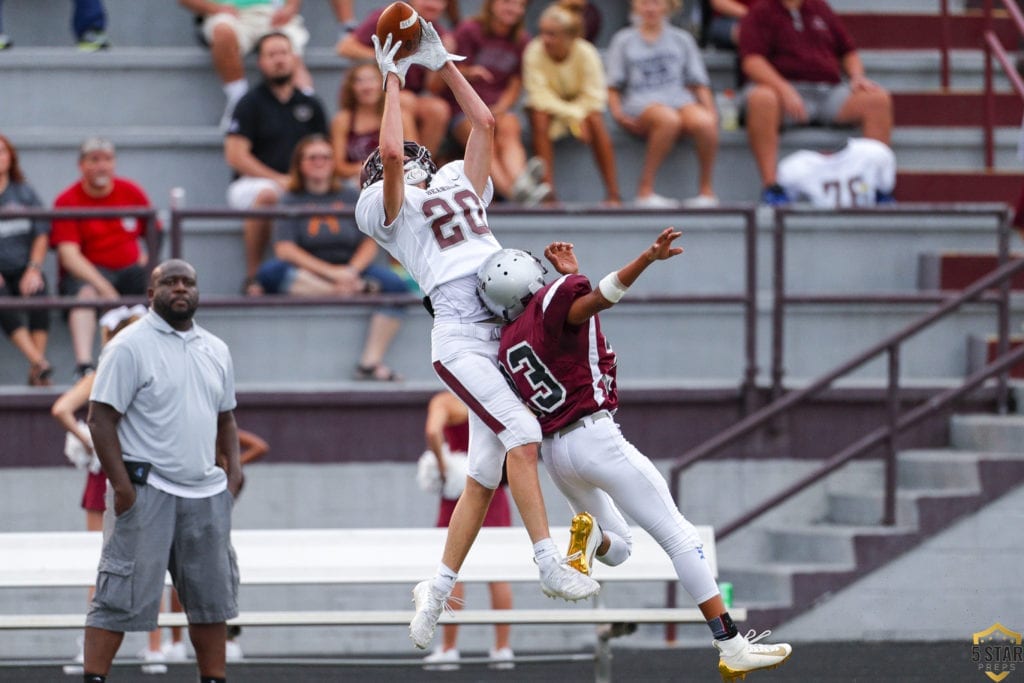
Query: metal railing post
x=892, y=409
x=778, y=301
x=1003, y=324
x=990, y=103
x=944, y=46
x=750, y=314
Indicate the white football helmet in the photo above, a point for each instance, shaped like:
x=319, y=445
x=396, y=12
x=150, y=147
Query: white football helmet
x=507, y=281
x=419, y=166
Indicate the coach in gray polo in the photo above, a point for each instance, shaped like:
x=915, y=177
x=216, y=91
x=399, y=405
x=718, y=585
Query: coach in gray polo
x=160, y=409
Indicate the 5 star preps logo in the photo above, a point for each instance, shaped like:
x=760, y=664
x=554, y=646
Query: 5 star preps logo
x=997, y=652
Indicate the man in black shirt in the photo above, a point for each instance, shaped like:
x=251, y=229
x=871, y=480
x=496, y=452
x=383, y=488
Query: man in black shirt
x=265, y=127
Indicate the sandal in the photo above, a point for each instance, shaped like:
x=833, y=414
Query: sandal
x=39, y=374
x=377, y=373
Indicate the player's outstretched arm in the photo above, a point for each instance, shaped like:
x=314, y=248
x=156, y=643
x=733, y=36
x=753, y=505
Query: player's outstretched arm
x=613, y=286
x=392, y=141
x=432, y=54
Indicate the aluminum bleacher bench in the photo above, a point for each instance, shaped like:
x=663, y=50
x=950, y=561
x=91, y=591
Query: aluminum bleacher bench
x=301, y=557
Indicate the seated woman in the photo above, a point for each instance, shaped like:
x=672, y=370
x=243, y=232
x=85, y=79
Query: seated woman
x=328, y=256
x=659, y=90
x=566, y=95
x=356, y=126
x=23, y=245
x=493, y=44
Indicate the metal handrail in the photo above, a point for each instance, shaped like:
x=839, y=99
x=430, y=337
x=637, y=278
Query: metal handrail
x=993, y=46
x=896, y=424
x=178, y=215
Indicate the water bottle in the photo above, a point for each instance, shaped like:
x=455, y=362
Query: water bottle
x=177, y=197
x=728, y=110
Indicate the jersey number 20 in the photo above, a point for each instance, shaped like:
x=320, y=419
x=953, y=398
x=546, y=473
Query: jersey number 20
x=448, y=224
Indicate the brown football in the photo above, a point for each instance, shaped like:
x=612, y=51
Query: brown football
x=403, y=23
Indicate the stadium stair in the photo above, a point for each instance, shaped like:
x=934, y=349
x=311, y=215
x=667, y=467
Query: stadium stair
x=939, y=109
x=803, y=565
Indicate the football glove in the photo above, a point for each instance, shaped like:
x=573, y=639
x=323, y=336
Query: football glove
x=385, y=55
x=432, y=53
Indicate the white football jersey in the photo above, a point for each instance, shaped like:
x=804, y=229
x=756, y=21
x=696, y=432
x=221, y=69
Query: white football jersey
x=848, y=177
x=441, y=233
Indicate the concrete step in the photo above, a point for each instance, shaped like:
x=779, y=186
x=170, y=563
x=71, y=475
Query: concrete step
x=954, y=108
x=923, y=30
x=825, y=543
x=937, y=469
x=864, y=508
x=1002, y=436
x=771, y=583
x=192, y=157
x=926, y=185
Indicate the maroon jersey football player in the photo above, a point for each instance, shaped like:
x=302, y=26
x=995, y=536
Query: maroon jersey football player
x=555, y=355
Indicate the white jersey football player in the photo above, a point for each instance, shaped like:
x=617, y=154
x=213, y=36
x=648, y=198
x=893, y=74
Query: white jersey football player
x=863, y=173
x=434, y=222
x=554, y=352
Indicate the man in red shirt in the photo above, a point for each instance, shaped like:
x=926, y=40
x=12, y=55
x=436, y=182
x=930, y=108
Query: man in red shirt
x=99, y=258
x=795, y=54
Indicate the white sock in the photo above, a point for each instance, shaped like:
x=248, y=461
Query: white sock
x=235, y=89
x=545, y=552
x=445, y=578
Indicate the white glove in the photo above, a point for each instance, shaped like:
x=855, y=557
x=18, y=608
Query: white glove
x=76, y=453
x=455, y=466
x=432, y=52
x=386, y=60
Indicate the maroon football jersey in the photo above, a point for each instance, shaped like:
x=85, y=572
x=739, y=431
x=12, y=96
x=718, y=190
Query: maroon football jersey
x=563, y=372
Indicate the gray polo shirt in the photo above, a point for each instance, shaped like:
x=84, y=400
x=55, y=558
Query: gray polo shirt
x=169, y=386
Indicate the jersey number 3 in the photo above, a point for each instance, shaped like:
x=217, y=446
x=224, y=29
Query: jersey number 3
x=546, y=392
x=449, y=224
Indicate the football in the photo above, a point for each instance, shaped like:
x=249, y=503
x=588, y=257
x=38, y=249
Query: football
x=403, y=23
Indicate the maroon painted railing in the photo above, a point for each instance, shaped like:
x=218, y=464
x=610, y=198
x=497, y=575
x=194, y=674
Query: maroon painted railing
x=980, y=291
x=747, y=298
x=993, y=47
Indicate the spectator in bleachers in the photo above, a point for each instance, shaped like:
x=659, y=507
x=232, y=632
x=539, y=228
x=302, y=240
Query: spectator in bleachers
x=328, y=255
x=233, y=28
x=422, y=87
x=355, y=129
x=23, y=245
x=100, y=258
x=795, y=54
x=345, y=14
x=721, y=21
x=658, y=89
x=88, y=22
x=589, y=15
x=493, y=44
x=265, y=127
x=566, y=95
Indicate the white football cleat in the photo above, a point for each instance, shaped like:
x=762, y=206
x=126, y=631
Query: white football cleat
x=429, y=604
x=562, y=581
x=742, y=654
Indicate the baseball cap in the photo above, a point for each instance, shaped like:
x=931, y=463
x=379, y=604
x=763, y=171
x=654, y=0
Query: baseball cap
x=95, y=144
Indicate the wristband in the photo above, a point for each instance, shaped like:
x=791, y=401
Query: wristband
x=611, y=287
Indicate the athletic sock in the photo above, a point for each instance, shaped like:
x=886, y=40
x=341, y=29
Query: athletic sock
x=545, y=552
x=722, y=627
x=445, y=578
x=93, y=678
x=235, y=89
